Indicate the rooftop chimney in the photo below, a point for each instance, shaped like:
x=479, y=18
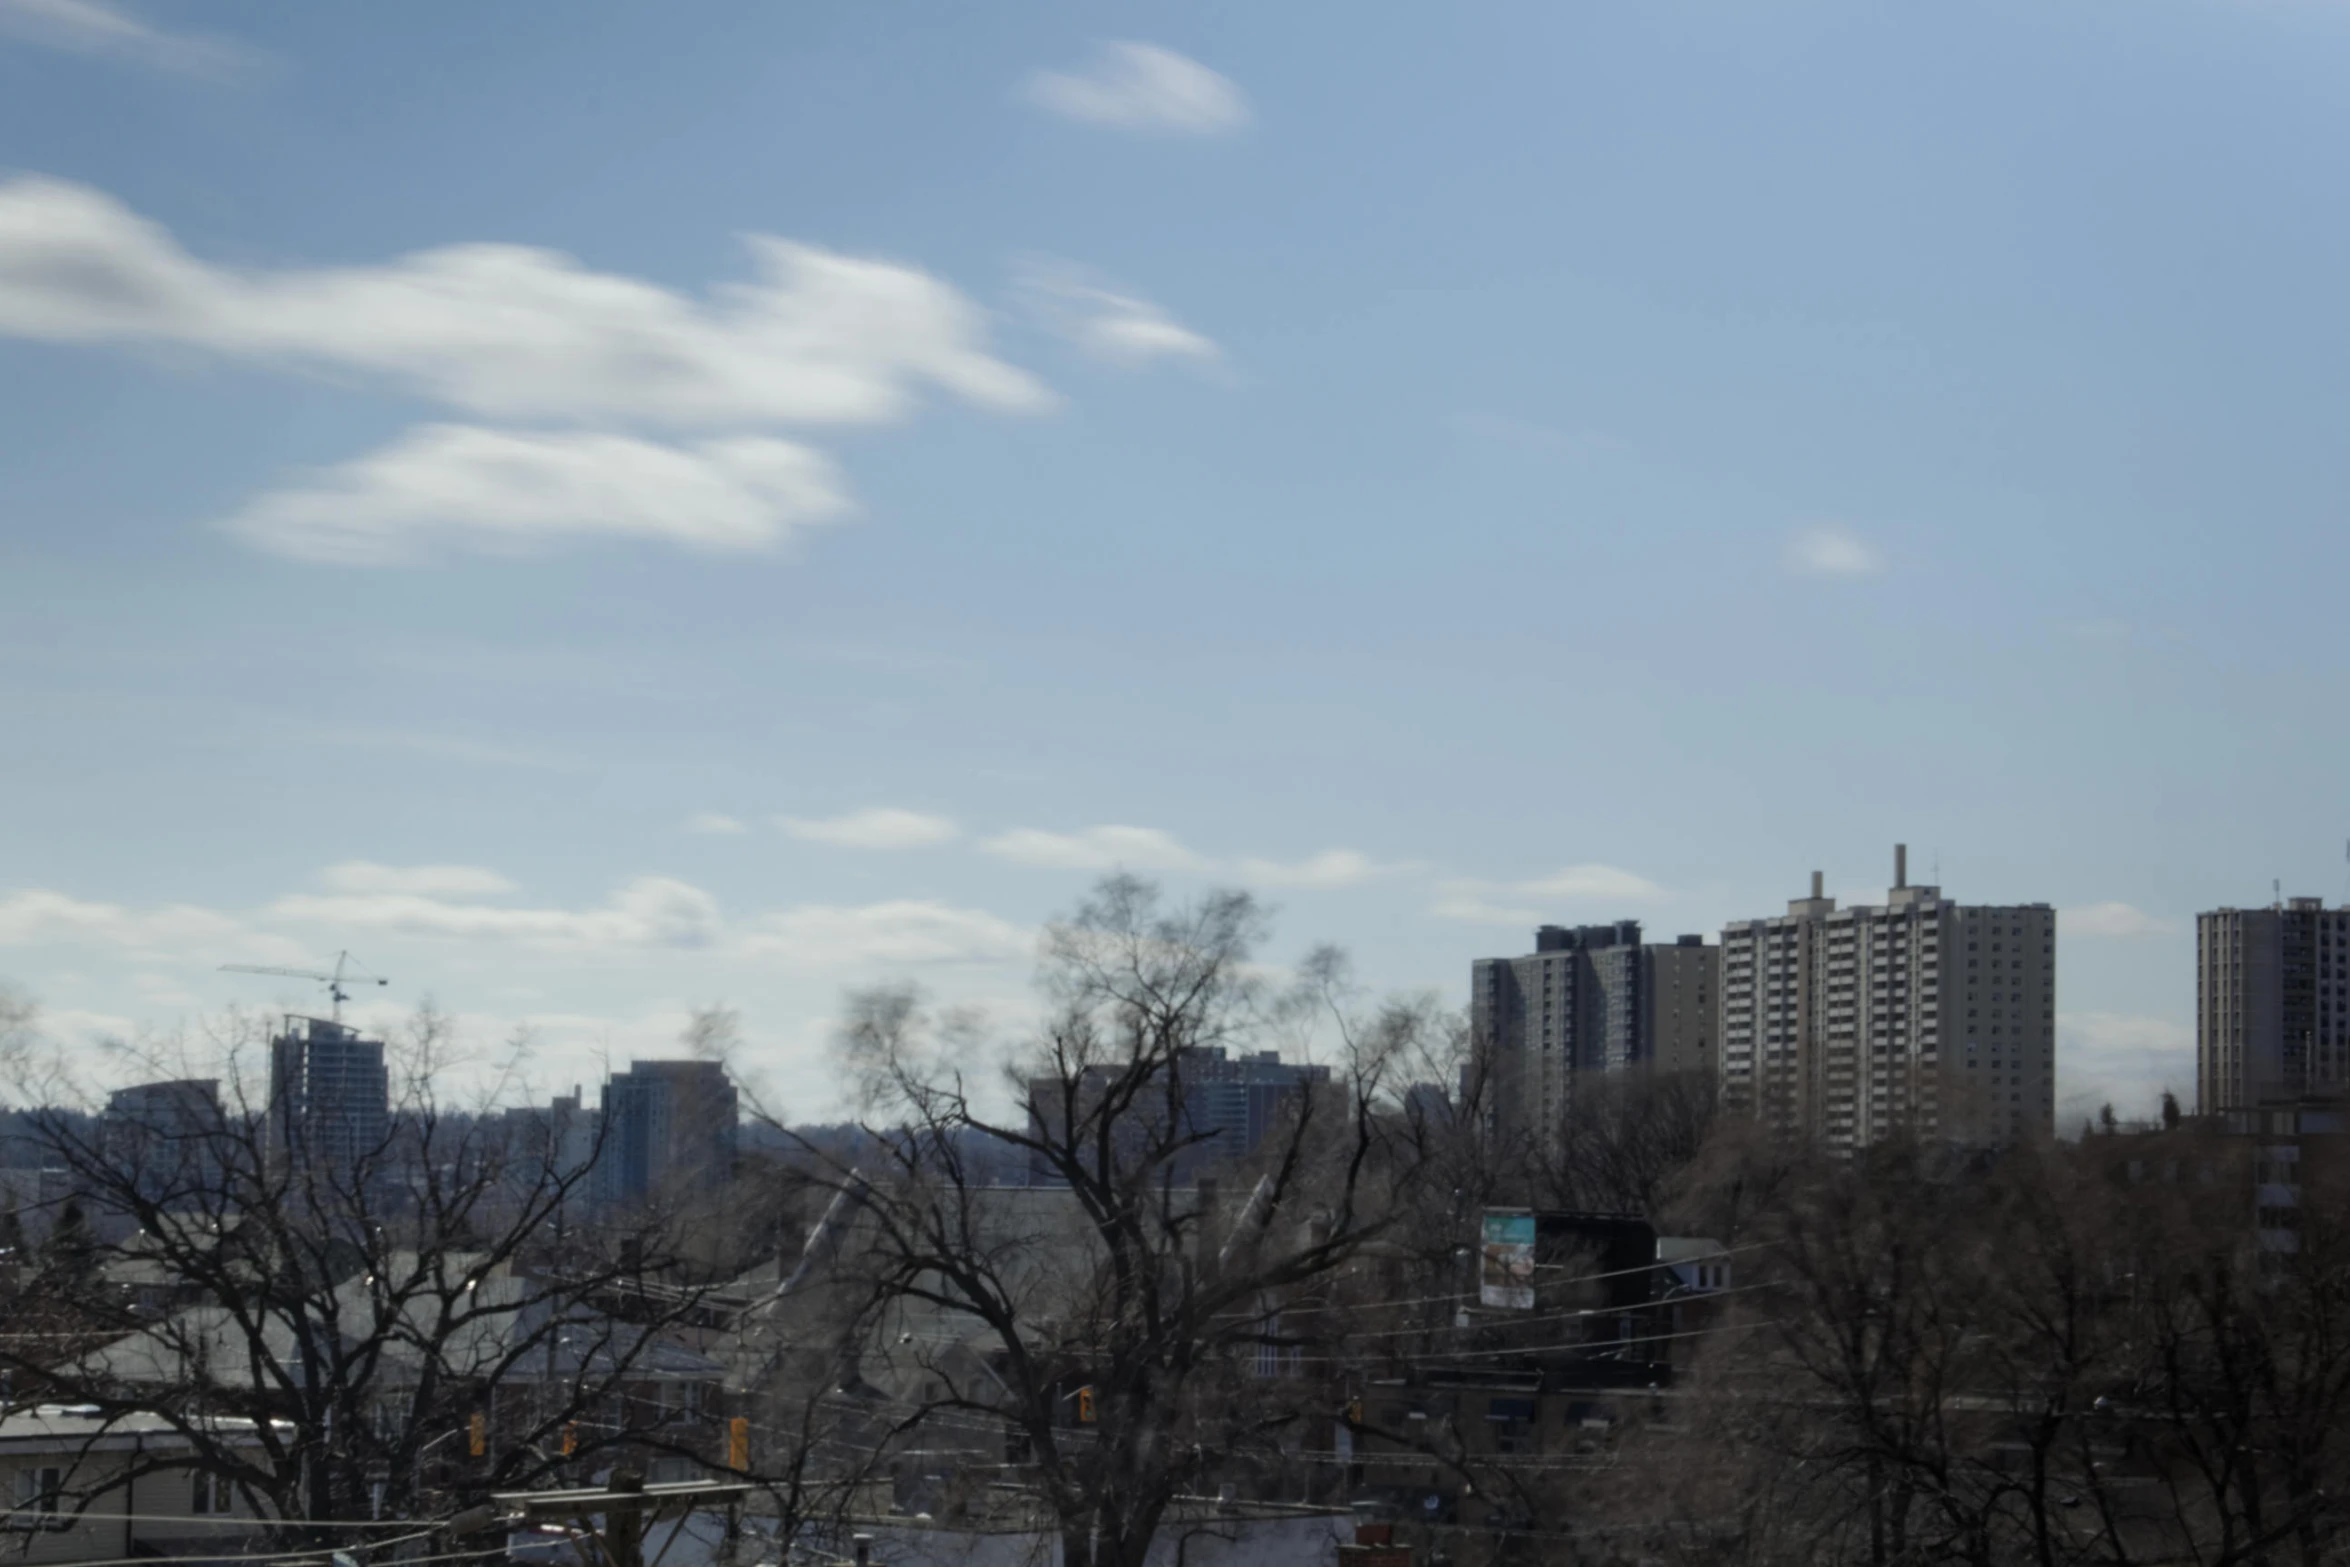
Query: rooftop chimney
x=1818, y=884
x=1900, y=866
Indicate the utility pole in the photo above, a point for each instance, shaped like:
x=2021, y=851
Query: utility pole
x=624, y=1520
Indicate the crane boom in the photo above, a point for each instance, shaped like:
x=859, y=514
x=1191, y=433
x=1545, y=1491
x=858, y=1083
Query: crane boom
x=337, y=983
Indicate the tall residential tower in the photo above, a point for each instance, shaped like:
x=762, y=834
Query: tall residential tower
x=1918, y=1016
x=2272, y=1004
x=329, y=1099
x=1590, y=999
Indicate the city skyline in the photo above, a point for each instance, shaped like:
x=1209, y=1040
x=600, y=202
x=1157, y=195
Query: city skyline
x=609, y=518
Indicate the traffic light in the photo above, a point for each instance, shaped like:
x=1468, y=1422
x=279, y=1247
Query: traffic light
x=1085, y=1406
x=1354, y=1411
x=570, y=1437
x=479, y=1434
x=738, y=1444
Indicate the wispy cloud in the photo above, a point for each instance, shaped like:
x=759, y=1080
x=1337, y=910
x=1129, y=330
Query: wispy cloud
x=1094, y=849
x=646, y=912
x=1128, y=848
x=714, y=822
x=905, y=931
x=2126, y=1061
x=1145, y=87
x=1833, y=552
x=1106, y=323
x=512, y=331
x=1539, y=898
x=2112, y=919
x=367, y=877
x=36, y=916
x=105, y=30
x=881, y=827
x=1331, y=868
x=645, y=917
x=456, y=487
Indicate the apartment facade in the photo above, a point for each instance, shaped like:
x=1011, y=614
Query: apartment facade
x=2272, y=1004
x=668, y=1126
x=329, y=1096
x=1588, y=999
x=1917, y=1017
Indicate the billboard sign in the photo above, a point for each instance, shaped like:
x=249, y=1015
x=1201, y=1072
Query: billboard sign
x=1506, y=1270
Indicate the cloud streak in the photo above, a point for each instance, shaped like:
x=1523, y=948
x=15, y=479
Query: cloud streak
x=645, y=913
x=1108, y=324
x=2112, y=919
x=1523, y=902
x=443, y=488
x=1136, y=86
x=1103, y=848
x=881, y=827
x=366, y=877
x=37, y=916
x=1833, y=552
x=103, y=30
x=512, y=331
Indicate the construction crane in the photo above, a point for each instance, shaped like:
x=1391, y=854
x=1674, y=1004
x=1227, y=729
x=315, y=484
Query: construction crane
x=337, y=983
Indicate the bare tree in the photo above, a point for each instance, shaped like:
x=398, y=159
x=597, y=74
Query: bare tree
x=1117, y=1332
x=397, y=1308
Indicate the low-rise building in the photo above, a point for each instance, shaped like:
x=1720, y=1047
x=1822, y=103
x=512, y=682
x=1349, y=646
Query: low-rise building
x=81, y=1486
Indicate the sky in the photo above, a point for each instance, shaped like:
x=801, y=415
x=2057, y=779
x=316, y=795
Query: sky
x=606, y=509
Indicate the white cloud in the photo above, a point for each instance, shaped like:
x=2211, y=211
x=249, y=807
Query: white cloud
x=2111, y=919
x=1142, y=86
x=512, y=331
x=905, y=931
x=461, y=487
x=1833, y=552
x=1331, y=868
x=455, y=881
x=714, y=822
x=1589, y=882
x=1477, y=901
x=1470, y=908
x=36, y=916
x=2112, y=1058
x=647, y=912
x=1094, y=849
x=1108, y=324
x=879, y=828
x=107, y=31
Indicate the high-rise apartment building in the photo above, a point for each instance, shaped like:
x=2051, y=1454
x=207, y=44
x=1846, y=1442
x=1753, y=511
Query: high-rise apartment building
x=2272, y=1004
x=1919, y=1017
x=668, y=1127
x=168, y=1137
x=1228, y=1102
x=1588, y=999
x=329, y=1097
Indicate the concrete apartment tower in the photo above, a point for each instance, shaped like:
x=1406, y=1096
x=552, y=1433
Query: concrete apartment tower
x=2272, y=1004
x=1918, y=1017
x=669, y=1128
x=1588, y=999
x=329, y=1098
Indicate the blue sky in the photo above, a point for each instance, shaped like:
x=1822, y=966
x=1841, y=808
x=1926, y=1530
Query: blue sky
x=1439, y=467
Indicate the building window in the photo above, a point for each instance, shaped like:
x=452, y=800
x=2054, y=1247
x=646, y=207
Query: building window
x=211, y=1497
x=37, y=1493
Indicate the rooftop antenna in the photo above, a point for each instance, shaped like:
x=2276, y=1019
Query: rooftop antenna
x=337, y=983
x=2276, y=892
